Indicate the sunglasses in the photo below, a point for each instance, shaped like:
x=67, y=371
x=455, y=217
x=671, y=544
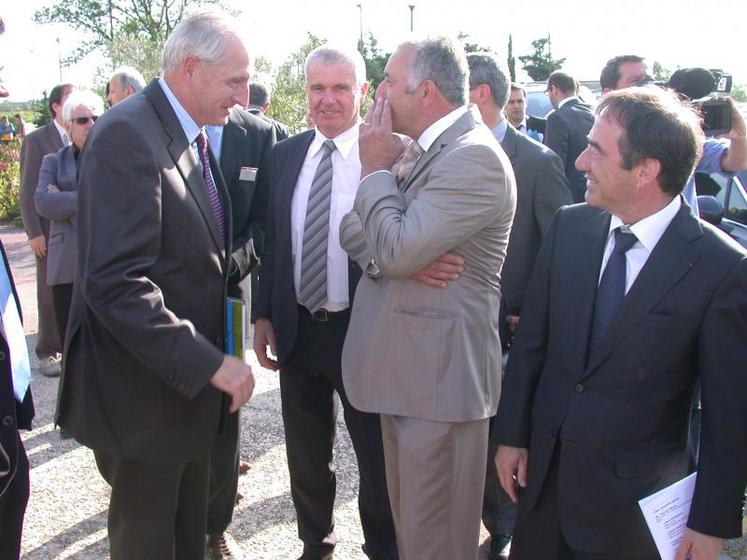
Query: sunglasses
x=84, y=120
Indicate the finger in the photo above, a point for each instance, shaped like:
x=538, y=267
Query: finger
x=369, y=112
x=235, y=404
x=377, y=110
x=507, y=483
x=451, y=258
x=521, y=472
x=446, y=268
x=386, y=116
x=429, y=281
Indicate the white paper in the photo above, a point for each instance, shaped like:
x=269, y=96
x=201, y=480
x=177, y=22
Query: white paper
x=248, y=174
x=666, y=514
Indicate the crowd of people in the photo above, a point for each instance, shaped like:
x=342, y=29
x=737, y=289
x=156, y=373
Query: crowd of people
x=403, y=263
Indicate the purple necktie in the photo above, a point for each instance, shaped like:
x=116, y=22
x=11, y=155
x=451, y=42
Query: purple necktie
x=212, y=190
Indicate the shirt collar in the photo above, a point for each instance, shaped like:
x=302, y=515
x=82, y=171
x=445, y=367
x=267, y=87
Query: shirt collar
x=435, y=130
x=344, y=142
x=189, y=126
x=650, y=229
x=567, y=100
x=62, y=132
x=499, y=130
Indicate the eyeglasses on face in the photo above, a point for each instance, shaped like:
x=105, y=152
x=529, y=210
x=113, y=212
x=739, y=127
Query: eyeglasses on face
x=82, y=121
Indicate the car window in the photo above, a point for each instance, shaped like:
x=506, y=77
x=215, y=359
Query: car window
x=712, y=184
x=736, y=206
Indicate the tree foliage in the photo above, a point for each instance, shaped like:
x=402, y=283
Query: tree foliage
x=375, y=60
x=510, y=59
x=661, y=74
x=105, y=21
x=472, y=47
x=540, y=64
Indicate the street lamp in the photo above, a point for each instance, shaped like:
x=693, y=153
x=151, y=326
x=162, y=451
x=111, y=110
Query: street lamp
x=360, y=10
x=412, y=11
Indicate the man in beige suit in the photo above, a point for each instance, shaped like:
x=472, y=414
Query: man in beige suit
x=428, y=359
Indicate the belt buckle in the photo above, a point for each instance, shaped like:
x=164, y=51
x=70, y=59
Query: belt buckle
x=321, y=315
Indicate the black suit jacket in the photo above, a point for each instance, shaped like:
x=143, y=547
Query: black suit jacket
x=281, y=131
x=541, y=188
x=566, y=134
x=277, y=294
x=13, y=415
x=621, y=417
x=247, y=143
x=147, y=322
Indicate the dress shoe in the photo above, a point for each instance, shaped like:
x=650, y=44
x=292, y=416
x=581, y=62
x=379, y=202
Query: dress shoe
x=244, y=467
x=500, y=546
x=327, y=556
x=50, y=366
x=221, y=546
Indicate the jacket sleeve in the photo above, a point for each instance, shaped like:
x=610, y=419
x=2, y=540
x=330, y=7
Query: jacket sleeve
x=61, y=205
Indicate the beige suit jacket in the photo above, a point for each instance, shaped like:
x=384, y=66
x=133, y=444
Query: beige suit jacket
x=412, y=350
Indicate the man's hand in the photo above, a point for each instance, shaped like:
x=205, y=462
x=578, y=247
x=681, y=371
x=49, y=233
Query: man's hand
x=511, y=464
x=235, y=378
x=446, y=267
x=379, y=148
x=697, y=546
x=39, y=246
x=53, y=188
x=264, y=336
x=735, y=158
x=513, y=322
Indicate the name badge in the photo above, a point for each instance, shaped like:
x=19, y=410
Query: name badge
x=248, y=174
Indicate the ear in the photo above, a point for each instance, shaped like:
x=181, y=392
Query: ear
x=648, y=171
x=68, y=128
x=190, y=66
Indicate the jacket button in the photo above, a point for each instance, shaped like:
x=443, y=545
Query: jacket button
x=579, y=388
x=2, y=356
x=8, y=421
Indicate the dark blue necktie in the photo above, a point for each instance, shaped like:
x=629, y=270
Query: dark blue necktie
x=611, y=290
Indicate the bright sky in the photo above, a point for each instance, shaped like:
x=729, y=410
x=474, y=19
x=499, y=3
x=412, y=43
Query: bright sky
x=677, y=33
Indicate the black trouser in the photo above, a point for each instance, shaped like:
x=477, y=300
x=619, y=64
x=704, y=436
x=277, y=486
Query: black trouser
x=13, y=506
x=308, y=380
x=224, y=476
x=156, y=512
x=62, y=296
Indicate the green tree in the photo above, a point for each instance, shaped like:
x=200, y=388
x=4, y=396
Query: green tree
x=661, y=74
x=133, y=50
x=472, y=47
x=375, y=60
x=289, y=94
x=739, y=93
x=510, y=60
x=104, y=21
x=540, y=64
x=41, y=110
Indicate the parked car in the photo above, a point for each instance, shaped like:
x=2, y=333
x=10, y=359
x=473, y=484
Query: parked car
x=723, y=202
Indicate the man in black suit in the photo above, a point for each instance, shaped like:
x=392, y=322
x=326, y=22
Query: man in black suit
x=633, y=300
x=567, y=127
x=541, y=189
x=146, y=384
x=302, y=314
x=259, y=104
x=16, y=411
x=243, y=146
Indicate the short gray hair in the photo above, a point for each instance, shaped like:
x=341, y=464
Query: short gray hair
x=129, y=76
x=485, y=69
x=203, y=36
x=81, y=98
x=329, y=56
x=441, y=60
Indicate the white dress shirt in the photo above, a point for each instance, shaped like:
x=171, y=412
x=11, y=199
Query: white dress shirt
x=346, y=173
x=648, y=231
x=62, y=132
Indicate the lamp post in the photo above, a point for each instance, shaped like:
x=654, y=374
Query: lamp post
x=360, y=15
x=412, y=12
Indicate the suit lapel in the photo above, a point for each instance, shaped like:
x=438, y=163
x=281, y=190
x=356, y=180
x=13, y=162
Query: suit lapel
x=509, y=143
x=186, y=162
x=673, y=256
x=68, y=170
x=291, y=169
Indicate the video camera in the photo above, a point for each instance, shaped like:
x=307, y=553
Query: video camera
x=706, y=89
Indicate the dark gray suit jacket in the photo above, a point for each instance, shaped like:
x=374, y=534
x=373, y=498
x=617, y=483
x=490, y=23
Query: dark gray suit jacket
x=565, y=134
x=38, y=143
x=61, y=209
x=146, y=324
x=621, y=416
x=541, y=188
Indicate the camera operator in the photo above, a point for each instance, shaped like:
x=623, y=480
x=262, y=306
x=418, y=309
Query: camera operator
x=726, y=155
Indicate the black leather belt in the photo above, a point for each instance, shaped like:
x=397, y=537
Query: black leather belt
x=322, y=315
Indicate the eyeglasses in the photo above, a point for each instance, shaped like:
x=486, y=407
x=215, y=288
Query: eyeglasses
x=84, y=120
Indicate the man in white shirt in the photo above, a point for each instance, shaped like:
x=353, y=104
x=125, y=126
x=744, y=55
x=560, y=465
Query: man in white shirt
x=306, y=291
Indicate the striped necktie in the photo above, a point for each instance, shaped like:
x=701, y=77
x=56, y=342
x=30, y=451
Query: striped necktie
x=215, y=202
x=313, y=289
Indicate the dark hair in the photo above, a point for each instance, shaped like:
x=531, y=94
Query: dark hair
x=611, y=71
x=258, y=94
x=656, y=125
x=564, y=82
x=484, y=69
x=519, y=87
x=56, y=95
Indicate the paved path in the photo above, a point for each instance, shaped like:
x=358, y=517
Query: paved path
x=66, y=516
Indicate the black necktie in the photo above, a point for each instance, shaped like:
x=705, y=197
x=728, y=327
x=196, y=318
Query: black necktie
x=611, y=290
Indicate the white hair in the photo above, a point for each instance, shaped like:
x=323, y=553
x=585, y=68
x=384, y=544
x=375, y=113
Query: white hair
x=129, y=76
x=203, y=36
x=81, y=98
x=329, y=55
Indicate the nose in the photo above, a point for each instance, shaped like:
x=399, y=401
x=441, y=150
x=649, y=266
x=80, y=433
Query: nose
x=242, y=95
x=582, y=163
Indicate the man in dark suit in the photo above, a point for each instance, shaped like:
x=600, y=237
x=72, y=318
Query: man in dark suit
x=541, y=188
x=146, y=384
x=243, y=146
x=259, y=104
x=44, y=140
x=567, y=127
x=306, y=291
x=16, y=411
x=633, y=300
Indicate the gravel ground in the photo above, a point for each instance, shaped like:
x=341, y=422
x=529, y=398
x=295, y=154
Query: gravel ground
x=66, y=515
